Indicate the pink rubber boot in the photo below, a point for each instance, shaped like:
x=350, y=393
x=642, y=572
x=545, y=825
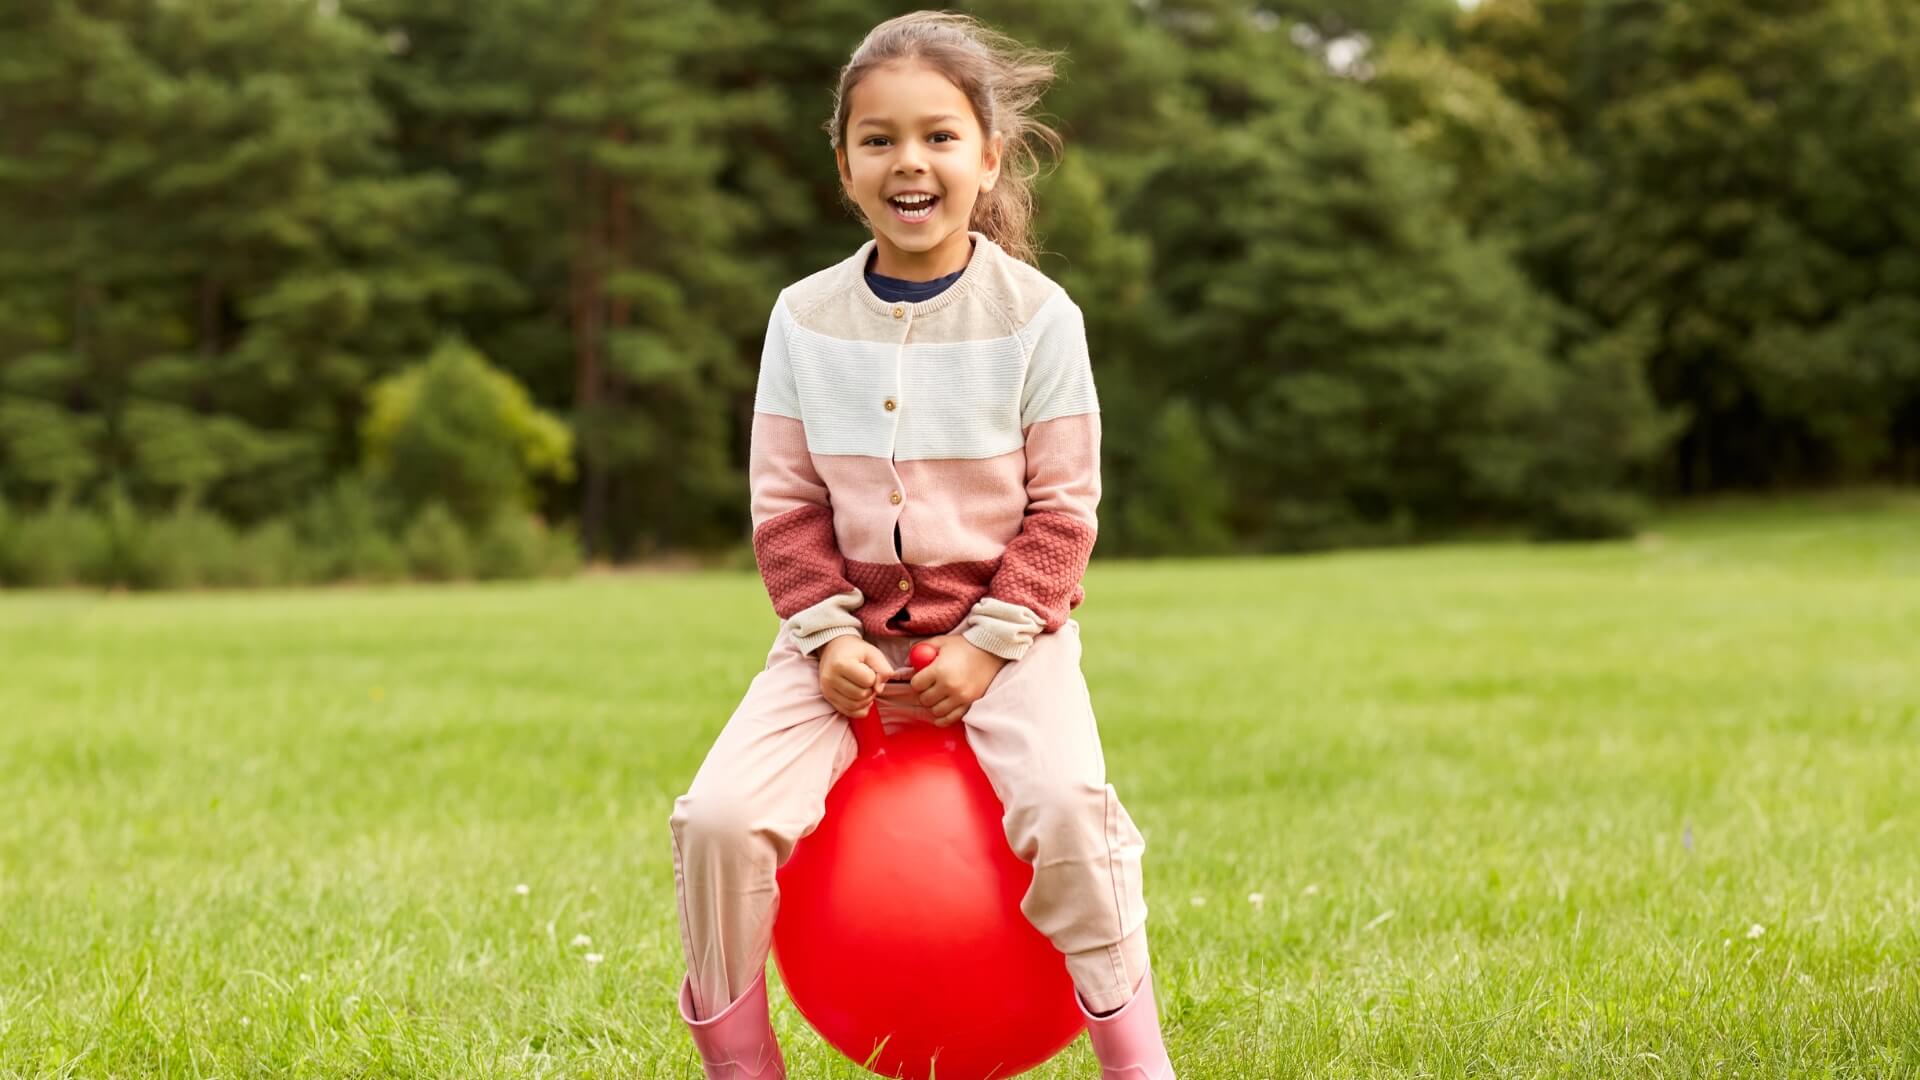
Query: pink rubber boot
x=1127, y=1043
x=738, y=1044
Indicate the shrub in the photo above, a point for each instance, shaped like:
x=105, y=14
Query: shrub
x=6, y=543
x=437, y=548
x=343, y=533
x=457, y=431
x=513, y=545
x=563, y=551
x=269, y=554
x=1589, y=515
x=62, y=545
x=186, y=548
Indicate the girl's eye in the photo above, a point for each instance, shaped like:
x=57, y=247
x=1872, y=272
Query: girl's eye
x=938, y=136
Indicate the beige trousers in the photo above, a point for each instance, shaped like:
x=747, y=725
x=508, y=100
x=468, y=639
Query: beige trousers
x=764, y=784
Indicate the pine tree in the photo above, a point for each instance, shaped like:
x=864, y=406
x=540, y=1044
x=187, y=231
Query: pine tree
x=591, y=144
x=204, y=189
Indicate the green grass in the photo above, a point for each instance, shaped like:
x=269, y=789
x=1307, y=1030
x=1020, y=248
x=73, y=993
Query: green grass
x=1643, y=809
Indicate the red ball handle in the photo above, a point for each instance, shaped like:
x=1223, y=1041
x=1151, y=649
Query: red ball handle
x=867, y=730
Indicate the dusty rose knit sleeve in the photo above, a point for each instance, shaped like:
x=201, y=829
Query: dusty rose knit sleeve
x=1039, y=578
x=793, y=538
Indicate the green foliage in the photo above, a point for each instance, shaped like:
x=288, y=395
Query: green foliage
x=187, y=548
x=1374, y=269
x=340, y=535
x=190, y=547
x=437, y=547
x=186, y=454
x=456, y=429
x=603, y=150
x=1178, y=499
x=218, y=249
x=345, y=531
x=269, y=554
x=1370, y=369
x=1589, y=515
x=1490, y=148
x=46, y=447
x=7, y=526
x=1851, y=382
x=512, y=545
x=62, y=545
x=1743, y=173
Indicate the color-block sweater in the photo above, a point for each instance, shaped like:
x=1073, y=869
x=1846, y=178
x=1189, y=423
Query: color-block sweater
x=925, y=468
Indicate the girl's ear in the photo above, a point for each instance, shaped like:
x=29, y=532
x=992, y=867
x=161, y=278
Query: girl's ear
x=990, y=161
x=840, y=161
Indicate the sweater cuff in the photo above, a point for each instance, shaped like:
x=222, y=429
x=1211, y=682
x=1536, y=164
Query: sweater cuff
x=830, y=618
x=1003, y=629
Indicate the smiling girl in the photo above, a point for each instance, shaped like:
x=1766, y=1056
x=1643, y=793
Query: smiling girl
x=924, y=467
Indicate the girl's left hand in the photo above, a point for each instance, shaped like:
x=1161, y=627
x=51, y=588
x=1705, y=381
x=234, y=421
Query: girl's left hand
x=956, y=679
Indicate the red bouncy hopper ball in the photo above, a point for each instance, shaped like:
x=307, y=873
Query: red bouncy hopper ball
x=899, y=933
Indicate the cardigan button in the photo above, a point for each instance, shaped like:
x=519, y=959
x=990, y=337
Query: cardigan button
x=894, y=498
x=891, y=405
x=905, y=584
x=899, y=313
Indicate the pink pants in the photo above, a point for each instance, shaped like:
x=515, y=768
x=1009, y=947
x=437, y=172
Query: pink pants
x=764, y=784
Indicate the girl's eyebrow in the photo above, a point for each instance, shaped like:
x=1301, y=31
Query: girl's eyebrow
x=877, y=122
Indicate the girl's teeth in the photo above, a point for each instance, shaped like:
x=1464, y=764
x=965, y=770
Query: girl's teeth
x=915, y=211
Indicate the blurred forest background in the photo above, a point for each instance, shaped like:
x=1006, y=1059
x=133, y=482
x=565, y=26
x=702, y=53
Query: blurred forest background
x=303, y=290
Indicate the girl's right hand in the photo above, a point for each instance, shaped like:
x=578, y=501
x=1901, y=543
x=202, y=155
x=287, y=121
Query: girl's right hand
x=852, y=670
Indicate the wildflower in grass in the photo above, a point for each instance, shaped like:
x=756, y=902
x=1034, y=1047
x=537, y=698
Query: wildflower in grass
x=1198, y=901
x=1257, y=899
x=521, y=889
x=1754, y=931
x=1311, y=890
x=580, y=940
x=593, y=958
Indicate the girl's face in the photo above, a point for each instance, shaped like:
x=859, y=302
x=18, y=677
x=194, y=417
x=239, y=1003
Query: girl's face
x=915, y=161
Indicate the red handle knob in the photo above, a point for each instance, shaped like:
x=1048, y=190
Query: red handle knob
x=867, y=730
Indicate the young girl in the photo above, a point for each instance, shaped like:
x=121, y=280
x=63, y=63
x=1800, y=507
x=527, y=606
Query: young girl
x=925, y=464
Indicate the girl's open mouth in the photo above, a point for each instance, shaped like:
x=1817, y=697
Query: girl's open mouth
x=913, y=207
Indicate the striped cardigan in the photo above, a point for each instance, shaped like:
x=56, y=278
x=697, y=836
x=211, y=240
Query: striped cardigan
x=926, y=468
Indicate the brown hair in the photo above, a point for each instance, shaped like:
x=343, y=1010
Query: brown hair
x=1003, y=80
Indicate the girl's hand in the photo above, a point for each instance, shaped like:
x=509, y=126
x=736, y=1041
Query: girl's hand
x=956, y=679
x=851, y=672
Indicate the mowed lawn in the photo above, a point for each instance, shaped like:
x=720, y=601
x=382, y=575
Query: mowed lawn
x=1637, y=809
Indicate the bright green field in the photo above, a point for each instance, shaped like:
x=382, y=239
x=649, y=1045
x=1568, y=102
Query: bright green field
x=1646, y=809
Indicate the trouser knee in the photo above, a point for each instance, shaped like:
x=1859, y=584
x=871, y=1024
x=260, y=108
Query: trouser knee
x=714, y=825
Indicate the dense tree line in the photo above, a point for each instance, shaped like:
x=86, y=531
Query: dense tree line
x=1353, y=270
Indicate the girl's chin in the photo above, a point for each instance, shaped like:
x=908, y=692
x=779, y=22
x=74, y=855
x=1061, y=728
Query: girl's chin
x=918, y=237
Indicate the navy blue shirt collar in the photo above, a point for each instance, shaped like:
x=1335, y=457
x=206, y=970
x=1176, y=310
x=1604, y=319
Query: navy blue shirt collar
x=913, y=292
